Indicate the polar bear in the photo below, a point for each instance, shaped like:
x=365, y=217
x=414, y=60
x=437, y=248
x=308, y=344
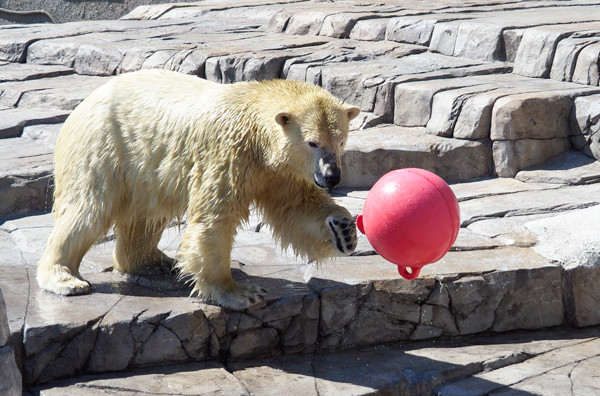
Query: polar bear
x=152, y=146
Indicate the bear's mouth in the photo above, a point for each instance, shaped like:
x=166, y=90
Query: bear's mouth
x=319, y=181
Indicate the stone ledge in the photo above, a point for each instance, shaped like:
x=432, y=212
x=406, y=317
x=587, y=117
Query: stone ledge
x=122, y=325
x=372, y=152
x=539, y=362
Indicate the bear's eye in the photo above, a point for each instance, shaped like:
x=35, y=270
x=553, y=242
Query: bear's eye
x=313, y=144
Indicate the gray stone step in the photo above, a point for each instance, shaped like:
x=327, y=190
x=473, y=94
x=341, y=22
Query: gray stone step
x=25, y=177
x=61, y=10
x=528, y=120
x=372, y=152
x=546, y=363
x=560, y=40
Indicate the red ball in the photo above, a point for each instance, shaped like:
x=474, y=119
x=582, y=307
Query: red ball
x=411, y=218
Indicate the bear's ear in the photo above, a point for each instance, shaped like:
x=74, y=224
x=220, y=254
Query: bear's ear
x=352, y=112
x=283, y=118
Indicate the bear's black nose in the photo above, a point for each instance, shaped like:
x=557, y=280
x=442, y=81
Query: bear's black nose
x=332, y=177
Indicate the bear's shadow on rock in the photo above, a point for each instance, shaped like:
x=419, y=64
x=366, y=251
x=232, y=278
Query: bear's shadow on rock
x=170, y=285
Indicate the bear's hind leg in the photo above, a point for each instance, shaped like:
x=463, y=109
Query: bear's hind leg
x=72, y=236
x=136, y=250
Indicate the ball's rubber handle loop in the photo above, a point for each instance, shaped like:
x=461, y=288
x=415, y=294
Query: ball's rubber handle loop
x=359, y=223
x=414, y=272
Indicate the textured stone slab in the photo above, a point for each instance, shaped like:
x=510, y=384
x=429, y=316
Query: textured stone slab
x=585, y=125
x=531, y=374
x=529, y=202
x=45, y=134
x=480, y=302
x=25, y=174
x=362, y=82
x=531, y=128
x=351, y=270
x=537, y=47
x=508, y=230
x=370, y=29
x=510, y=156
x=410, y=147
x=306, y=62
x=106, y=53
x=472, y=40
x=63, y=93
x=571, y=379
x=531, y=115
x=241, y=15
x=446, y=106
x=494, y=186
x=474, y=118
x=415, y=30
x=13, y=121
x=14, y=283
x=131, y=326
x=149, y=12
x=580, y=228
x=29, y=236
x=4, y=329
x=462, y=107
x=414, y=370
x=14, y=42
x=189, y=379
x=535, y=54
x=572, y=167
x=468, y=240
x=582, y=292
x=413, y=100
x=10, y=377
x=481, y=37
x=567, y=54
x=587, y=70
x=21, y=72
x=9, y=252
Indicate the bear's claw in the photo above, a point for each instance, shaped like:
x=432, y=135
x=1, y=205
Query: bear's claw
x=343, y=233
x=239, y=298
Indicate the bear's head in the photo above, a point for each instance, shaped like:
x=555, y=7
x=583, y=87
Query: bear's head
x=316, y=126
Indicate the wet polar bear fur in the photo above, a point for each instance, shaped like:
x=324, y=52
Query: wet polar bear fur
x=152, y=146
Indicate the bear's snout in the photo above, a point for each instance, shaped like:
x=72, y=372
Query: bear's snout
x=328, y=172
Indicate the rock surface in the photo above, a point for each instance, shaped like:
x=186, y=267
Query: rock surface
x=542, y=363
x=585, y=125
x=10, y=377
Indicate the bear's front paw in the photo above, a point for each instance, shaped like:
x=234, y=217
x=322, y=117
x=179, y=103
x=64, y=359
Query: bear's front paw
x=343, y=233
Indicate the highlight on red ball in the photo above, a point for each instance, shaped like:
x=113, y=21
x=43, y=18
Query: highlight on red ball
x=411, y=218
